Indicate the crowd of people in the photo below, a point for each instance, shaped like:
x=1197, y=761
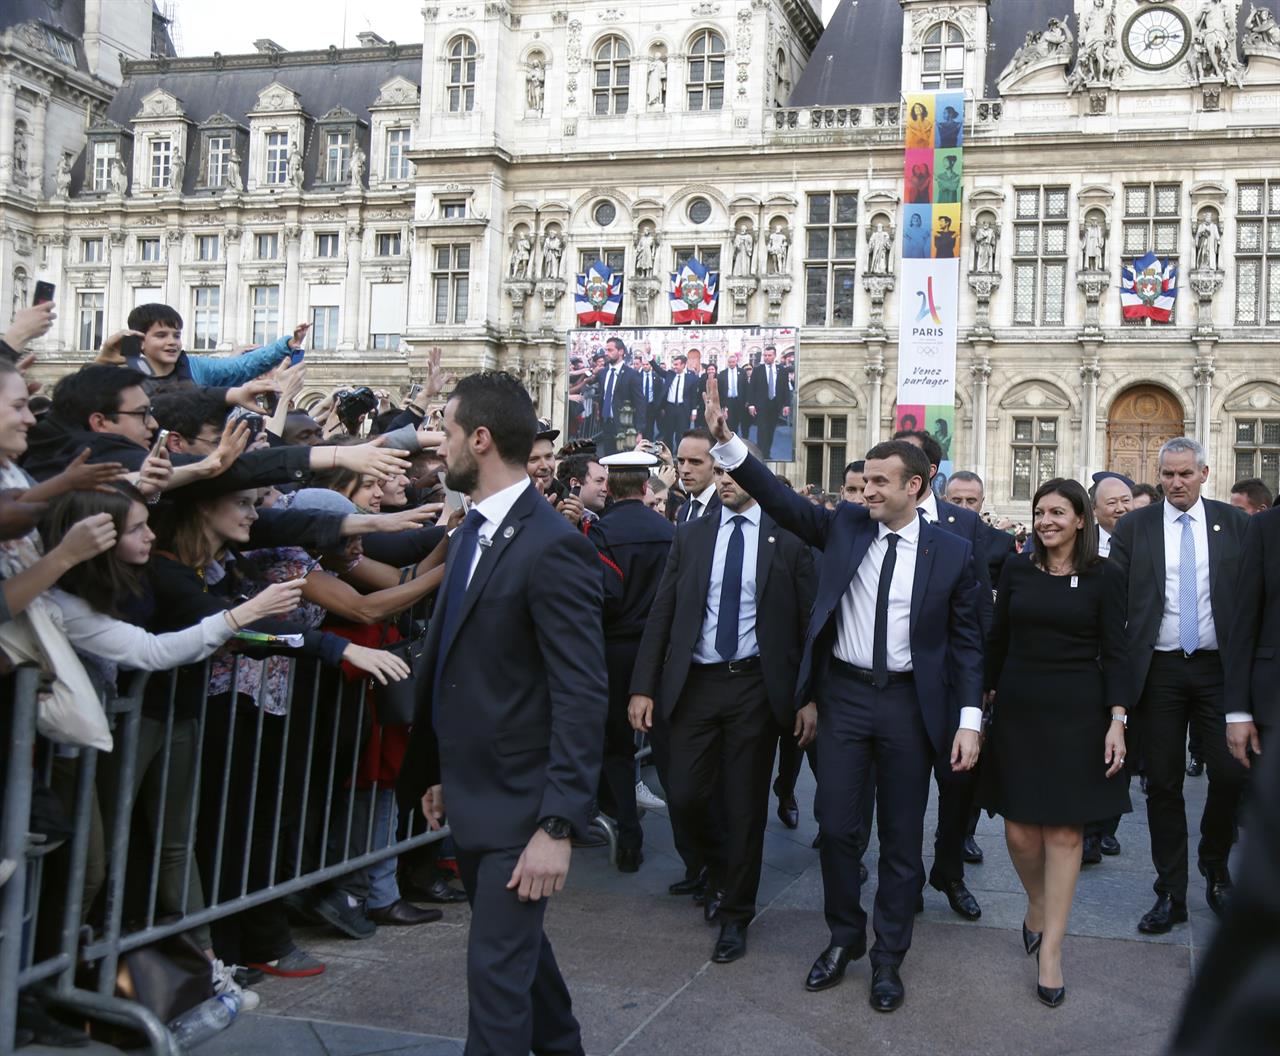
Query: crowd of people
x=182, y=515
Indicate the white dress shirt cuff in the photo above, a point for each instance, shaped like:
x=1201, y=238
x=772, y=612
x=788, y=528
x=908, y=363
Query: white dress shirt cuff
x=971, y=719
x=732, y=453
x=1239, y=716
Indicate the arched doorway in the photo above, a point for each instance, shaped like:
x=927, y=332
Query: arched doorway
x=1142, y=418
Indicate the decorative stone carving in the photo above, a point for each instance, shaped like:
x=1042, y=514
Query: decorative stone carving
x=519, y=290
x=552, y=251
x=1093, y=243
x=984, y=285
x=643, y=290
x=295, y=171
x=1098, y=60
x=62, y=178
x=551, y=290
x=779, y=248
x=119, y=178
x=923, y=18
x=358, y=162
x=1213, y=48
x=879, y=249
x=1205, y=284
x=177, y=172
x=743, y=50
x=1093, y=284
x=986, y=238
x=521, y=254
x=1208, y=241
x=1262, y=33
x=740, y=288
x=646, y=250
x=535, y=80
x=656, y=82
x=776, y=287
x=744, y=250
x=878, y=287
x=1097, y=103
x=1049, y=46
x=235, y=182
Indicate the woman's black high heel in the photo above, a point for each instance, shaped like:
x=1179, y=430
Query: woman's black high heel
x=1031, y=939
x=1052, y=996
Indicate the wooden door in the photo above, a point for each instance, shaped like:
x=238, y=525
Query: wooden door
x=1141, y=419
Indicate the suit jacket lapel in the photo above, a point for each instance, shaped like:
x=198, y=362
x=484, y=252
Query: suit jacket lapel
x=704, y=551
x=1212, y=518
x=764, y=553
x=924, y=565
x=1155, y=547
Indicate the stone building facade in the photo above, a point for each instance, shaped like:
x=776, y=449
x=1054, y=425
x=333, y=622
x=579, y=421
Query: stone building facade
x=545, y=133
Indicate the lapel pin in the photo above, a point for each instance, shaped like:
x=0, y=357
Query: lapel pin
x=951, y=519
x=770, y=538
x=508, y=532
x=1217, y=527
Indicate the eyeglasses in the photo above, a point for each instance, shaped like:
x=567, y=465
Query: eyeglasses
x=142, y=412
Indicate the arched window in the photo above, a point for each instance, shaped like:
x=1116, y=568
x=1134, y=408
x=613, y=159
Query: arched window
x=706, y=71
x=462, y=75
x=943, y=58
x=611, y=88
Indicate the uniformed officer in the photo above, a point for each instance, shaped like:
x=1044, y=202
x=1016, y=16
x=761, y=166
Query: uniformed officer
x=633, y=542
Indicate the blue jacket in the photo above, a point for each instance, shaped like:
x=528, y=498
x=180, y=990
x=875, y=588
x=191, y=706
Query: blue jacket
x=946, y=632
x=222, y=371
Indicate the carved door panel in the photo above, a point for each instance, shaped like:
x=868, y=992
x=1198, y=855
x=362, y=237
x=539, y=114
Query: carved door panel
x=1141, y=419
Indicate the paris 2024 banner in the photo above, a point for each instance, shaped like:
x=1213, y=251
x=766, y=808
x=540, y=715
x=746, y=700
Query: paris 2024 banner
x=929, y=294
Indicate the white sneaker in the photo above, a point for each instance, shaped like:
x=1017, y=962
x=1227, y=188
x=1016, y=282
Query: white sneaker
x=224, y=982
x=647, y=798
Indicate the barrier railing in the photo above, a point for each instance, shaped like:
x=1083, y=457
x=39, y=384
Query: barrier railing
x=246, y=795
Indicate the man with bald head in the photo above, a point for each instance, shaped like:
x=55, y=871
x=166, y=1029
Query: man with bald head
x=1112, y=495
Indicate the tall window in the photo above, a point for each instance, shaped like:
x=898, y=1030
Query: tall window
x=1035, y=454
x=89, y=305
x=399, y=167
x=612, y=85
x=462, y=75
x=613, y=258
x=1040, y=255
x=388, y=244
x=1258, y=254
x=450, y=278
x=1258, y=450
x=706, y=71
x=104, y=154
x=267, y=246
x=1151, y=224
x=942, y=58
x=149, y=250
x=266, y=313
x=707, y=253
x=206, y=302
x=324, y=327
x=826, y=449
x=207, y=247
x=91, y=251
x=327, y=244
x=219, y=161
x=337, y=157
x=277, y=157
x=161, y=163
x=830, y=253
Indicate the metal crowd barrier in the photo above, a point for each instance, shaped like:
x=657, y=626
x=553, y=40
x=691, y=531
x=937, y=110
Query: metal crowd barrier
x=297, y=766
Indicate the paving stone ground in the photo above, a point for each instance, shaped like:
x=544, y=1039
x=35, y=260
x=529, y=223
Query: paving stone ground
x=637, y=963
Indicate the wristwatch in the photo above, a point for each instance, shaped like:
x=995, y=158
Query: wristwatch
x=556, y=828
x=1122, y=719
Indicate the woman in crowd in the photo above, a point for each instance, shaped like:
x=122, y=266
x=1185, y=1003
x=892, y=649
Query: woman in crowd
x=1058, y=679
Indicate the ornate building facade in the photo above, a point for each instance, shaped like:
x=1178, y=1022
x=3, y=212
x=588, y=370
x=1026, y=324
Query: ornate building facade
x=524, y=138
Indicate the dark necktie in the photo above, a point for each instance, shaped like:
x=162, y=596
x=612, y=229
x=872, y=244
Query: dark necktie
x=731, y=593
x=462, y=551
x=880, y=637
x=695, y=508
x=608, y=395
x=648, y=386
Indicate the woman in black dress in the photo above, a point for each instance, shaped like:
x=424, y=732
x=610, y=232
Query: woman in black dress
x=1056, y=663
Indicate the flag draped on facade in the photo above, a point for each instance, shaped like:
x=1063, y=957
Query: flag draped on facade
x=695, y=293
x=599, y=296
x=1149, y=289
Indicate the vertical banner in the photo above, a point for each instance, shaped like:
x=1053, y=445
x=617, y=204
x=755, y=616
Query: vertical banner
x=929, y=294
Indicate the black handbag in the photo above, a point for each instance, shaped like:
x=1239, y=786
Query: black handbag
x=396, y=703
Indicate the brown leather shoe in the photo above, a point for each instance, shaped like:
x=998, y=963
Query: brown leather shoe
x=403, y=913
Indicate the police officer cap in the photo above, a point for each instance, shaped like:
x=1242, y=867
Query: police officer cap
x=630, y=460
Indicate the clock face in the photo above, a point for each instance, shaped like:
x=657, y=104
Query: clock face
x=1156, y=38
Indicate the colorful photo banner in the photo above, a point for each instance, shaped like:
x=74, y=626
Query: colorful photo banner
x=929, y=295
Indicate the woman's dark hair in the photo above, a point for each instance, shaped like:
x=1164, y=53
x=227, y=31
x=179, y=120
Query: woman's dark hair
x=1085, y=553
x=105, y=582
x=924, y=110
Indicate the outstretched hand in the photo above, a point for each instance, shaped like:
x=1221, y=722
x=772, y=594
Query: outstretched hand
x=717, y=417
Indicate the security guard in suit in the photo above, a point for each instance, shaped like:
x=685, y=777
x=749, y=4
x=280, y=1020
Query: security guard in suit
x=633, y=542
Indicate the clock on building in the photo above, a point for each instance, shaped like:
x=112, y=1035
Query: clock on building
x=1156, y=37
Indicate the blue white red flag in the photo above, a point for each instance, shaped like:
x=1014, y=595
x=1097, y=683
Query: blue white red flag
x=599, y=296
x=695, y=293
x=1149, y=289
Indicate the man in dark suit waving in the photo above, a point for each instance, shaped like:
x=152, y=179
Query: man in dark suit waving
x=893, y=657
x=618, y=385
x=719, y=656
x=1181, y=557
x=515, y=745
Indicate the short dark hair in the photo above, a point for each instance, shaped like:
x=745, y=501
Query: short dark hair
x=969, y=475
x=187, y=411
x=574, y=467
x=145, y=316
x=614, y=340
x=496, y=400
x=698, y=433
x=1149, y=490
x=1253, y=489
x=857, y=466
x=93, y=389
x=1085, y=552
x=915, y=460
x=932, y=449
x=627, y=483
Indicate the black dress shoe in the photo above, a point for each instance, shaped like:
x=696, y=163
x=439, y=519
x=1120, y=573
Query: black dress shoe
x=960, y=898
x=439, y=891
x=887, y=991
x=711, y=908
x=828, y=969
x=690, y=885
x=1218, y=887
x=629, y=859
x=788, y=811
x=1031, y=939
x=972, y=852
x=404, y=914
x=1161, y=918
x=732, y=943
x=1195, y=767
x=1110, y=846
x=1091, y=854
x=817, y=841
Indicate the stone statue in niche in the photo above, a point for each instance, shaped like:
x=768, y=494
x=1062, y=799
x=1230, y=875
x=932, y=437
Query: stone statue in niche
x=552, y=250
x=294, y=171
x=62, y=177
x=1208, y=242
x=234, y=180
x=1097, y=58
x=177, y=172
x=1093, y=245
x=20, y=150
x=656, y=82
x=744, y=250
x=521, y=255
x=19, y=290
x=357, y=167
x=985, y=237
x=119, y=178
x=879, y=242
x=646, y=251
x=535, y=81
x=779, y=246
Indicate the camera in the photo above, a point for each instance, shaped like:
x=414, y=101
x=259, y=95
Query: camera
x=353, y=405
